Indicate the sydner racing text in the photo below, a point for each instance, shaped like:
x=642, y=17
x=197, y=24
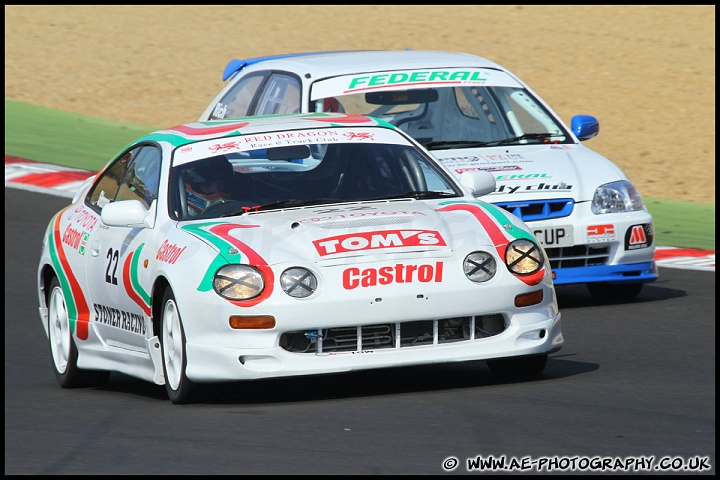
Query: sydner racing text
x=131, y=322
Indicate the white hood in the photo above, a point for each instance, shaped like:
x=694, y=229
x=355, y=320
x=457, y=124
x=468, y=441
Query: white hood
x=359, y=232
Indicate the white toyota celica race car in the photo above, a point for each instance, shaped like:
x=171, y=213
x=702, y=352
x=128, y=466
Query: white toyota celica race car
x=475, y=115
x=288, y=245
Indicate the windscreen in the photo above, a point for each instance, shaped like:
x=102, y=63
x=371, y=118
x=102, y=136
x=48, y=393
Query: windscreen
x=258, y=174
x=450, y=108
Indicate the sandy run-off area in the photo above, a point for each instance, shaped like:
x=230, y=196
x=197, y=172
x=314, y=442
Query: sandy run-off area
x=646, y=72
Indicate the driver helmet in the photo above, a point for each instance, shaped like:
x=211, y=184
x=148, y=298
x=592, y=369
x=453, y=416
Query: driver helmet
x=208, y=182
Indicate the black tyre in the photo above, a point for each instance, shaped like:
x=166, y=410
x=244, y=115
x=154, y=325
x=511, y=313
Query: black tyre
x=179, y=389
x=517, y=366
x=619, y=292
x=62, y=346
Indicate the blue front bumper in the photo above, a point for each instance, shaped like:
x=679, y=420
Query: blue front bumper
x=643, y=272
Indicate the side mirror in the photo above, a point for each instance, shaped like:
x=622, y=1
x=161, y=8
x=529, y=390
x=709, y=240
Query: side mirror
x=584, y=127
x=479, y=182
x=128, y=213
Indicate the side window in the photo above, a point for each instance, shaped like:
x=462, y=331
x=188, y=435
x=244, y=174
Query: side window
x=280, y=95
x=239, y=99
x=134, y=175
x=107, y=186
x=142, y=178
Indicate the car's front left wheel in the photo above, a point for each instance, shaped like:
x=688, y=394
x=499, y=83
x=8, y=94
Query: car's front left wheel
x=179, y=388
x=62, y=346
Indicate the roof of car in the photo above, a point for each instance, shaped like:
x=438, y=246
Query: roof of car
x=192, y=132
x=331, y=63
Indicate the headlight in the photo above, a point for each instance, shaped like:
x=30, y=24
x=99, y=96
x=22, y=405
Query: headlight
x=298, y=282
x=616, y=197
x=523, y=257
x=479, y=266
x=238, y=282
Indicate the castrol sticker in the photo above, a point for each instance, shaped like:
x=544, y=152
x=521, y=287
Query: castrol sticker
x=356, y=277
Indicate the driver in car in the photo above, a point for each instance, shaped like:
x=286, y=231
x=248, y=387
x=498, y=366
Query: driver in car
x=208, y=182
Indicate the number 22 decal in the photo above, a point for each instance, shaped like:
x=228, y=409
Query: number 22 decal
x=112, y=256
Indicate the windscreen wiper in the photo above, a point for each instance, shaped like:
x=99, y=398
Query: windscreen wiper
x=526, y=136
x=442, y=145
x=296, y=203
x=419, y=195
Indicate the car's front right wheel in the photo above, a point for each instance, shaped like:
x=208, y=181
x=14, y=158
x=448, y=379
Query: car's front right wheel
x=179, y=388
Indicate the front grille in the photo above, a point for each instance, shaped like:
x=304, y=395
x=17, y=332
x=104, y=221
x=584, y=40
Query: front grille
x=539, y=209
x=393, y=335
x=578, y=256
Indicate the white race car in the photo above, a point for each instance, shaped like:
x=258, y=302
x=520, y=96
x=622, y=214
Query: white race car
x=288, y=245
x=475, y=115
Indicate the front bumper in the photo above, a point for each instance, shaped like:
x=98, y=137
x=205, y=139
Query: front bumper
x=209, y=363
x=643, y=272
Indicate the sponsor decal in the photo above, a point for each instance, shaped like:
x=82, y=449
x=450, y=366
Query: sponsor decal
x=77, y=305
x=554, y=236
x=360, y=211
x=559, y=187
x=359, y=136
x=639, y=236
x=434, y=77
x=600, y=233
x=300, y=137
x=494, y=168
x=132, y=322
x=494, y=158
x=71, y=237
x=75, y=239
x=329, y=134
x=284, y=138
x=223, y=147
x=522, y=176
x=169, y=252
x=83, y=219
x=354, y=277
x=83, y=243
x=377, y=240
